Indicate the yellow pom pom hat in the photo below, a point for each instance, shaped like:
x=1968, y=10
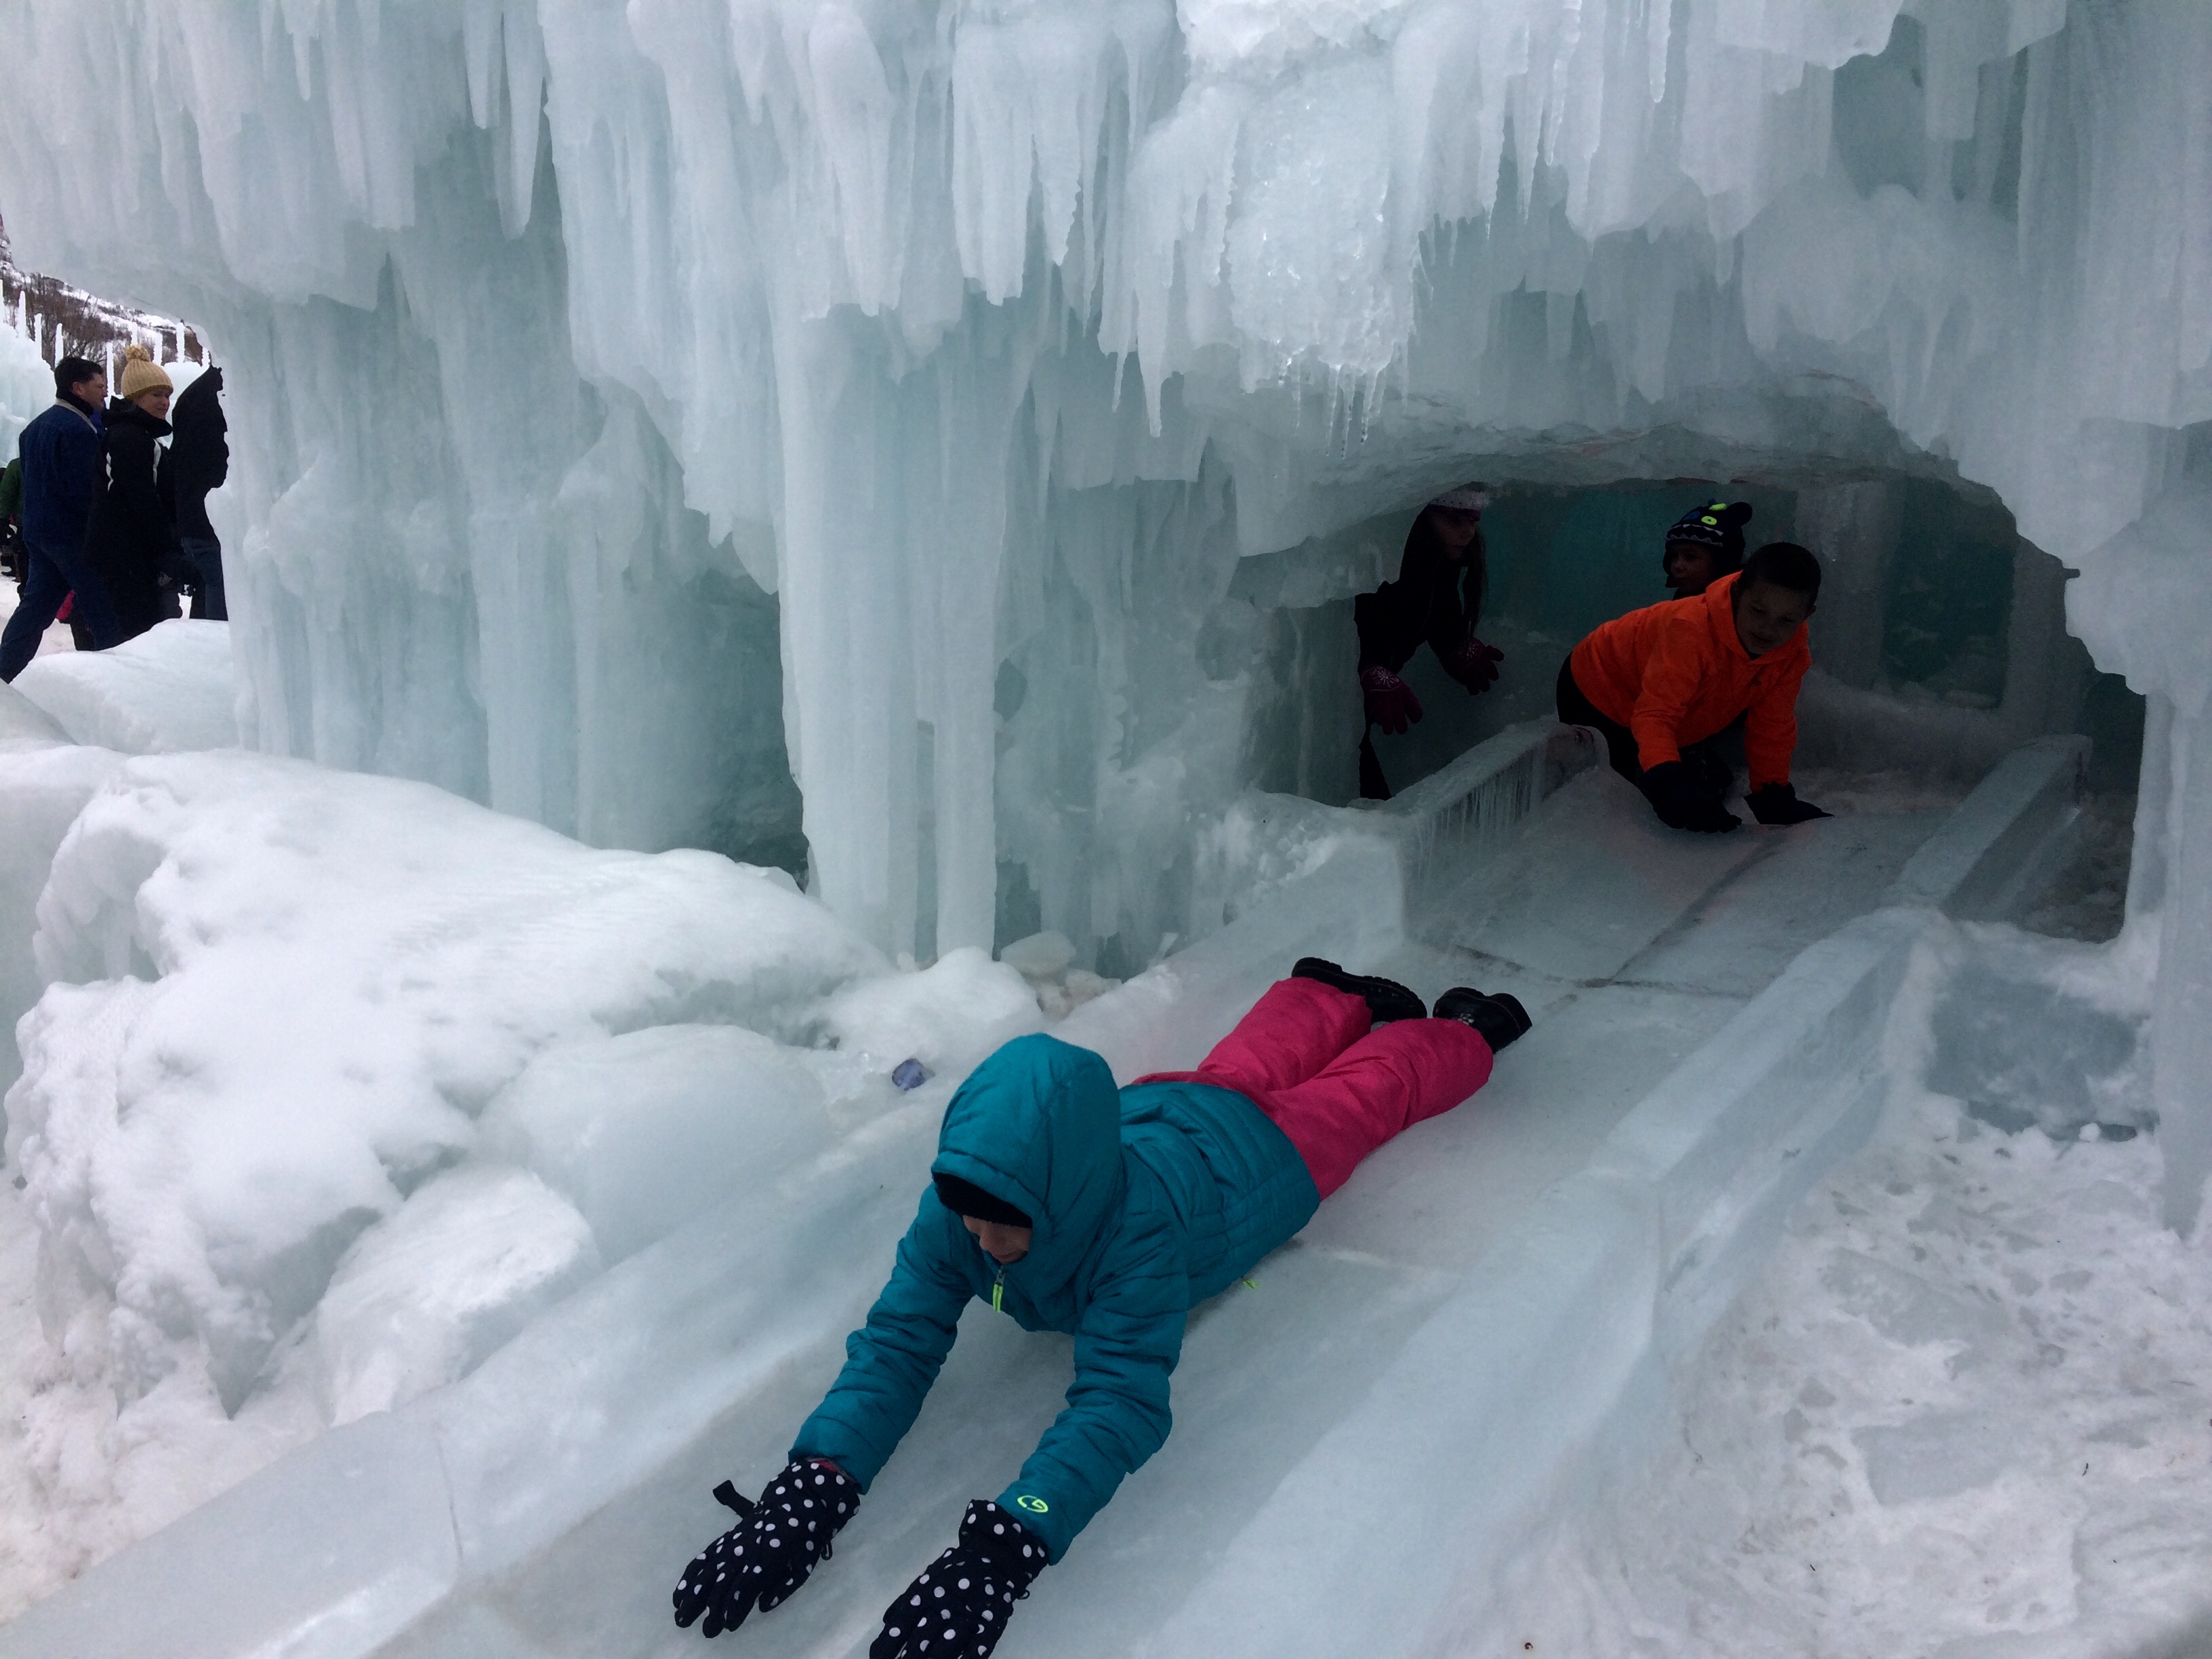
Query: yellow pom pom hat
x=142, y=374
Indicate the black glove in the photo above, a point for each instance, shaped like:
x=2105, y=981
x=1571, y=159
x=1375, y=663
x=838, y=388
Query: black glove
x=1777, y=803
x=767, y=1554
x=960, y=1604
x=1683, y=803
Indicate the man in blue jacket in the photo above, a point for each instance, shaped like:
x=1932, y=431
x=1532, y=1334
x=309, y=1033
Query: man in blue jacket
x=63, y=474
x=1070, y=1206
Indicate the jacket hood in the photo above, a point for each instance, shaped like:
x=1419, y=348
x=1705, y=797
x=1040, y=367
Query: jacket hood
x=1039, y=1125
x=196, y=404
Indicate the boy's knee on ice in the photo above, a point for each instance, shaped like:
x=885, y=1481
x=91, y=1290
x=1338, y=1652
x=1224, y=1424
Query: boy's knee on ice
x=1659, y=680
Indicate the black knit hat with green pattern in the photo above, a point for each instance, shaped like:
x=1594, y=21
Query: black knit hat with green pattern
x=1717, y=525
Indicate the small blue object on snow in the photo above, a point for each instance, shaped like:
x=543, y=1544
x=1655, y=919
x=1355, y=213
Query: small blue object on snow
x=910, y=1074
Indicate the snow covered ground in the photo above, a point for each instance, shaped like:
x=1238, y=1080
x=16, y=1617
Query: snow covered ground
x=1965, y=1411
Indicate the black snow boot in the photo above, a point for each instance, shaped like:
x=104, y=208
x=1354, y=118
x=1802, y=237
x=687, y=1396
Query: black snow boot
x=1499, y=1019
x=1386, y=999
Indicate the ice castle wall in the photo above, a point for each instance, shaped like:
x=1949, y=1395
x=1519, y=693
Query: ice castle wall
x=645, y=410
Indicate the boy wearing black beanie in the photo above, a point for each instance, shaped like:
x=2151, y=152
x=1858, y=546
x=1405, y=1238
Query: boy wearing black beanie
x=1703, y=545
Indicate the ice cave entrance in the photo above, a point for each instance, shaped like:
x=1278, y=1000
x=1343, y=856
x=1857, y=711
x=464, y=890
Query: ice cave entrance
x=1940, y=645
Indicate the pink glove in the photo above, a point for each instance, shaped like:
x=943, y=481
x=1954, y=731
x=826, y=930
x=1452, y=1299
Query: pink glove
x=1474, y=664
x=1391, y=703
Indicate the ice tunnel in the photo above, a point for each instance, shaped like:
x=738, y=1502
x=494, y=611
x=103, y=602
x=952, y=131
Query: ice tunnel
x=933, y=449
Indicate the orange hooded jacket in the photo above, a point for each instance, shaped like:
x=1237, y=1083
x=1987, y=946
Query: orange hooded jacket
x=1676, y=674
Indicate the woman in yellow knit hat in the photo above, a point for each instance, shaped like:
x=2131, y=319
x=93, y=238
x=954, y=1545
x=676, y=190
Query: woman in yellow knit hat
x=131, y=541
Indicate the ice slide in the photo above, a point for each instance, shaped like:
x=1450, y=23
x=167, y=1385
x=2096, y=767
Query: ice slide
x=1462, y=1337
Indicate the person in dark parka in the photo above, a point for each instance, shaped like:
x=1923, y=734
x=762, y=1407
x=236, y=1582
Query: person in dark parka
x=197, y=461
x=62, y=474
x=129, y=544
x=1436, y=600
x=1070, y=1206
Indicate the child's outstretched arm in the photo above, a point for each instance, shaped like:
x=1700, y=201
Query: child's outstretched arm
x=1117, y=1416
x=1118, y=1413
x=891, y=1361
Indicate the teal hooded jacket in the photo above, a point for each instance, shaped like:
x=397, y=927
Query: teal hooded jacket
x=1147, y=1200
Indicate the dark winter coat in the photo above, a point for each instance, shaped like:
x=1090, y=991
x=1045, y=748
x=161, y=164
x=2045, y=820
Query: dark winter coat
x=129, y=539
x=198, y=457
x=1434, y=599
x=1147, y=1200
x=62, y=474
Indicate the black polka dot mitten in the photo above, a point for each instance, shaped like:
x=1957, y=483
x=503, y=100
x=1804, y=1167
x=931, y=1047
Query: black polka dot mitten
x=767, y=1554
x=958, y=1608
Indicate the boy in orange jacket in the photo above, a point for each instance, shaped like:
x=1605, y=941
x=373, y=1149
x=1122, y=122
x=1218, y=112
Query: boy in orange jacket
x=1670, y=675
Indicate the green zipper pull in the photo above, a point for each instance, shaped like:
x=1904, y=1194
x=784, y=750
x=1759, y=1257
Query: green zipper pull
x=998, y=1293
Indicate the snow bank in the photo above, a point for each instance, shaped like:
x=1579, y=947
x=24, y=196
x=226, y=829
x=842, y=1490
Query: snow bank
x=280, y=997
x=44, y=782
x=643, y=1131
x=1959, y=1412
x=948, y=1017
x=462, y=1266
x=165, y=692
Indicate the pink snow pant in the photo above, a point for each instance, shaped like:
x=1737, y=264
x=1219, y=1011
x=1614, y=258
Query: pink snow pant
x=1306, y=1056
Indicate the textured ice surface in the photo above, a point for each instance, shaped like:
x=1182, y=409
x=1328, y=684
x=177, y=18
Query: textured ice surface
x=639, y=410
x=27, y=385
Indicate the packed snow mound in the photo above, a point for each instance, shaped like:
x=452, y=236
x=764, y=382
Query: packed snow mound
x=643, y=1131
x=460, y=1268
x=169, y=691
x=44, y=782
x=24, y=726
x=280, y=997
x=948, y=1017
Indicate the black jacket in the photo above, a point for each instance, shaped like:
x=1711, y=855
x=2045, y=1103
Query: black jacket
x=198, y=459
x=1434, y=599
x=130, y=537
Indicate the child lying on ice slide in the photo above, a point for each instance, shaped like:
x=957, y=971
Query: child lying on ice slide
x=1070, y=1206
x=1658, y=681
